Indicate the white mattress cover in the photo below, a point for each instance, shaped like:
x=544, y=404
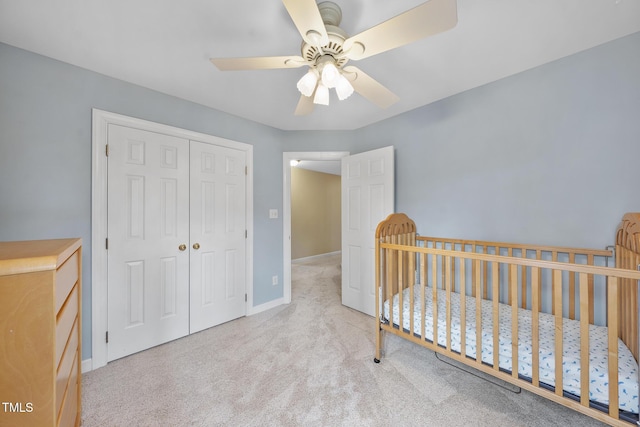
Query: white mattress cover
x=598, y=359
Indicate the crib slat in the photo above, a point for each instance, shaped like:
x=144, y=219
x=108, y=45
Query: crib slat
x=554, y=258
x=557, y=309
x=523, y=281
x=434, y=298
x=448, y=287
x=476, y=264
x=572, y=289
x=423, y=299
x=411, y=279
x=400, y=282
x=510, y=278
x=591, y=292
x=612, y=324
x=514, y=321
x=442, y=269
x=474, y=267
x=389, y=273
x=463, y=309
x=485, y=274
x=495, y=279
x=583, y=283
x=535, y=328
x=539, y=257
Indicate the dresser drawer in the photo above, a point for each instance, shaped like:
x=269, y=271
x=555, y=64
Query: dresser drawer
x=66, y=277
x=66, y=318
x=68, y=366
x=70, y=404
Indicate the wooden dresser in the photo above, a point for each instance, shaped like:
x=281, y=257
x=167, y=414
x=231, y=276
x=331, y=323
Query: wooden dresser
x=40, y=347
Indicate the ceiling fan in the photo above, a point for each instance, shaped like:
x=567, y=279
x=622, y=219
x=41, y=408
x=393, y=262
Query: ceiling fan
x=326, y=49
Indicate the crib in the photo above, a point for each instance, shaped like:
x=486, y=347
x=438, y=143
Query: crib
x=574, y=313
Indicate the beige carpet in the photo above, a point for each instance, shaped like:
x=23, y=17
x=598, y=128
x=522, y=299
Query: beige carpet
x=309, y=363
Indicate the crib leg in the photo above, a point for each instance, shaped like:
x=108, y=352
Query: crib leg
x=378, y=343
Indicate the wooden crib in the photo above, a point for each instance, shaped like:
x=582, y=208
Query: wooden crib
x=574, y=316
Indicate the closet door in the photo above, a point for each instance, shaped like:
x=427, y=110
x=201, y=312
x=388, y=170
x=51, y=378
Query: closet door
x=218, y=235
x=148, y=221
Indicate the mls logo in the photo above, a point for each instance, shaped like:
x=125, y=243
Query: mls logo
x=18, y=407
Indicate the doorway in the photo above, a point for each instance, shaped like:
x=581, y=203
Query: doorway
x=286, y=211
x=367, y=187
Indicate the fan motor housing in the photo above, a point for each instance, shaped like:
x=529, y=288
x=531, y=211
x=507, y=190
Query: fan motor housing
x=331, y=16
x=337, y=36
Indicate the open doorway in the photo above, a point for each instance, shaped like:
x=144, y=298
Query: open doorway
x=319, y=159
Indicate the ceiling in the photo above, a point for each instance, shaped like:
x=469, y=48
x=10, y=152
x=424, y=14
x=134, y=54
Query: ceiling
x=165, y=45
x=331, y=167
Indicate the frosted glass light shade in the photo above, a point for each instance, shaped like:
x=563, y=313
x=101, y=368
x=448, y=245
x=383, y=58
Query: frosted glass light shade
x=307, y=84
x=322, y=95
x=330, y=75
x=343, y=88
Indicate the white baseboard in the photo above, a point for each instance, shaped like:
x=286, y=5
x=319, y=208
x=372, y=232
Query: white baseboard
x=315, y=256
x=87, y=365
x=266, y=306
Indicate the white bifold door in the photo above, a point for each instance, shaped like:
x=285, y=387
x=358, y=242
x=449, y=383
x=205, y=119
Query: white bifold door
x=367, y=199
x=176, y=238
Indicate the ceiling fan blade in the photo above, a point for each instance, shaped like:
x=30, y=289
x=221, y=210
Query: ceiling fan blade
x=305, y=106
x=370, y=88
x=429, y=18
x=258, y=63
x=306, y=16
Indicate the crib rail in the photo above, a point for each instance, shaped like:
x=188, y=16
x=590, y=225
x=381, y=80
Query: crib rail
x=538, y=252
x=397, y=262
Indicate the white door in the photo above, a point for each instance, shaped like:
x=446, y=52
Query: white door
x=218, y=235
x=367, y=199
x=177, y=234
x=148, y=220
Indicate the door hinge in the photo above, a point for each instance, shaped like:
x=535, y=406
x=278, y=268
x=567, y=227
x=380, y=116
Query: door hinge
x=106, y=150
x=106, y=337
x=106, y=243
x=245, y=297
x=246, y=234
x=246, y=170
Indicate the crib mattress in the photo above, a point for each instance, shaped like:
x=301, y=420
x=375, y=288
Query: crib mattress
x=598, y=367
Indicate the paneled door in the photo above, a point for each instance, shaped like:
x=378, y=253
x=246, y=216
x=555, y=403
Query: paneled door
x=148, y=222
x=177, y=238
x=367, y=199
x=217, y=235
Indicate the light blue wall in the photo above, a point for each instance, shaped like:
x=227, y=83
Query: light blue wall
x=45, y=157
x=547, y=156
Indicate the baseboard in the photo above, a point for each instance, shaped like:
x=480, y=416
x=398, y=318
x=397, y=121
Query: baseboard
x=87, y=365
x=315, y=256
x=266, y=306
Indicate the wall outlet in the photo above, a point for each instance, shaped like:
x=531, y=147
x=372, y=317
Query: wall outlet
x=274, y=280
x=273, y=213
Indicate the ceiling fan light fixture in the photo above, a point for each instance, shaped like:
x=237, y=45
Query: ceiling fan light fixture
x=330, y=75
x=322, y=95
x=344, y=89
x=307, y=84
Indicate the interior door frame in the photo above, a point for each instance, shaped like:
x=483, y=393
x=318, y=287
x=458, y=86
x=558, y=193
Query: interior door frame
x=99, y=280
x=287, y=157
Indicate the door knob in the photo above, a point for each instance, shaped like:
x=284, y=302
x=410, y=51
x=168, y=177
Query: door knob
x=196, y=246
x=182, y=247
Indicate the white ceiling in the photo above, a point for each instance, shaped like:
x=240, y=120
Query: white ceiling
x=325, y=166
x=165, y=45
